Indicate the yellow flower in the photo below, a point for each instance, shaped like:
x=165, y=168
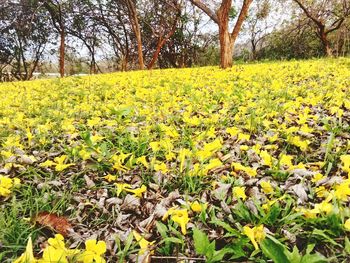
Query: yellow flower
x=143, y=161
x=57, y=251
x=27, y=256
x=57, y=242
x=127, y=188
x=138, y=191
x=317, y=177
x=96, y=138
x=346, y=163
x=213, y=163
x=342, y=191
x=233, y=131
x=54, y=255
x=94, y=121
x=155, y=146
x=47, y=163
x=213, y=146
x=321, y=191
x=183, y=153
x=179, y=216
x=59, y=162
x=244, y=147
x=297, y=141
x=119, y=161
x=209, y=149
x=255, y=234
x=270, y=203
x=121, y=187
x=93, y=252
x=248, y=170
x=84, y=154
x=347, y=224
x=267, y=187
x=324, y=206
x=142, y=242
x=197, y=207
x=239, y=192
x=160, y=167
x=266, y=157
x=7, y=184
x=110, y=178
x=243, y=137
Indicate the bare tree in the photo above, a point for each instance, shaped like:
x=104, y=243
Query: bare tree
x=221, y=17
x=327, y=16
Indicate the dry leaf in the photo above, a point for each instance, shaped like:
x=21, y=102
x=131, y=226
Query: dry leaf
x=57, y=223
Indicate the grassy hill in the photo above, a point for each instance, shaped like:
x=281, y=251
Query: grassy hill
x=249, y=163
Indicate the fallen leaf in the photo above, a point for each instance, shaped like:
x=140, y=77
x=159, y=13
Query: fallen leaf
x=299, y=190
x=220, y=193
x=57, y=223
x=89, y=182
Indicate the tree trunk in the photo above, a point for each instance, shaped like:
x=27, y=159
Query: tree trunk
x=136, y=28
x=155, y=54
x=93, y=66
x=226, y=48
x=62, y=52
x=139, y=48
x=253, y=49
x=326, y=44
x=124, y=63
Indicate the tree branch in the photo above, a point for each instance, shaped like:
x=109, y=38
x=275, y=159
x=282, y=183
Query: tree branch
x=308, y=14
x=336, y=25
x=242, y=15
x=206, y=10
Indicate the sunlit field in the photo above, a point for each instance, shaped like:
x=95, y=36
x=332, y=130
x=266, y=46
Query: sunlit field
x=246, y=164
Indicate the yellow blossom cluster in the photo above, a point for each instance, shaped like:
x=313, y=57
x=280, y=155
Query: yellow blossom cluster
x=7, y=184
x=56, y=251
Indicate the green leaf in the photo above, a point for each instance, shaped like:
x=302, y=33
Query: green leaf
x=162, y=229
x=226, y=226
x=325, y=237
x=172, y=240
x=210, y=250
x=295, y=256
x=274, y=250
x=128, y=242
x=201, y=242
x=309, y=248
x=347, y=245
x=219, y=255
x=313, y=258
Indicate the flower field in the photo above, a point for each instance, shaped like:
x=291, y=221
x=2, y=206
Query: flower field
x=203, y=164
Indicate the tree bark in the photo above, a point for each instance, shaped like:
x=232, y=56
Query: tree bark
x=136, y=28
x=221, y=18
x=93, y=65
x=62, y=52
x=162, y=41
x=328, y=51
x=226, y=48
x=124, y=66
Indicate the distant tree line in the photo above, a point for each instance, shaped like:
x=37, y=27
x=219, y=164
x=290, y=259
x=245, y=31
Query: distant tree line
x=144, y=34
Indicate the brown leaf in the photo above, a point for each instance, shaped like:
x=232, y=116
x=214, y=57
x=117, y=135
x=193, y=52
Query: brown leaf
x=57, y=223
